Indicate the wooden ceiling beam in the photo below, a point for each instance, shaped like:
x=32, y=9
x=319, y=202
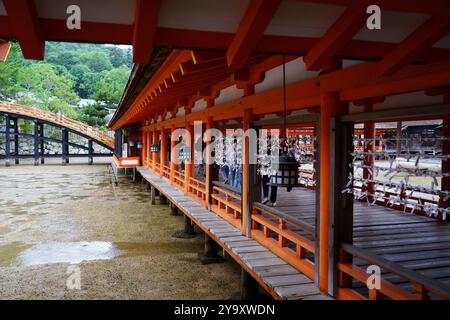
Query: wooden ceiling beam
x=145, y=24
x=23, y=18
x=416, y=44
x=337, y=36
x=255, y=21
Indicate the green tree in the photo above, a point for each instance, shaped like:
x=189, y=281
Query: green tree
x=40, y=84
x=94, y=115
x=8, y=72
x=110, y=86
x=97, y=61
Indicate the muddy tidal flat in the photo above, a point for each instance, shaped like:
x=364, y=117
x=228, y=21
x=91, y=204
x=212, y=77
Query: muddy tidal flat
x=66, y=232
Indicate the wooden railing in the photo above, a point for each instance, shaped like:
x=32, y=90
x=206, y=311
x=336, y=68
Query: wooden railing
x=178, y=178
x=156, y=167
x=166, y=171
x=198, y=189
x=422, y=285
x=281, y=234
x=226, y=202
x=149, y=163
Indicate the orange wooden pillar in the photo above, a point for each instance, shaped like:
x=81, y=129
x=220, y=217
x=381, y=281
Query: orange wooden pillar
x=247, y=178
x=144, y=146
x=155, y=154
x=189, y=163
x=247, y=202
x=149, y=154
x=173, y=155
x=163, y=155
x=330, y=108
x=208, y=166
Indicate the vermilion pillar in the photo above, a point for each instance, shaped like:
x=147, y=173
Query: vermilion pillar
x=208, y=166
x=247, y=201
x=163, y=155
x=155, y=154
x=330, y=107
x=150, y=141
x=189, y=163
x=173, y=155
x=144, y=147
x=246, y=181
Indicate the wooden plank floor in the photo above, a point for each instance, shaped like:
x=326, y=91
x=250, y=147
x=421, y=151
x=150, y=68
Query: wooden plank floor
x=419, y=243
x=275, y=275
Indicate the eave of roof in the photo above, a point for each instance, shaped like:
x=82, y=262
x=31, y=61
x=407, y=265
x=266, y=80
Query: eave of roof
x=139, y=77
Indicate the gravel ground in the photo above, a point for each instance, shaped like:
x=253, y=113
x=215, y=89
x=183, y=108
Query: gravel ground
x=52, y=217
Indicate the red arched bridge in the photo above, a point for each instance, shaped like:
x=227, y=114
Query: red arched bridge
x=38, y=134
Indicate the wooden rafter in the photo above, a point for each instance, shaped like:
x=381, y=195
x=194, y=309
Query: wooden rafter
x=255, y=21
x=23, y=18
x=145, y=23
x=337, y=36
x=417, y=43
x=55, y=30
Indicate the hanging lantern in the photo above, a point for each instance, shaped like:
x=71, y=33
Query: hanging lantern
x=154, y=147
x=185, y=154
x=131, y=143
x=139, y=145
x=287, y=173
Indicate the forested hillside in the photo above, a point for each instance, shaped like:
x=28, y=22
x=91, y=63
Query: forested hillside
x=69, y=73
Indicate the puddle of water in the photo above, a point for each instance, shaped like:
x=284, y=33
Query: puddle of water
x=68, y=252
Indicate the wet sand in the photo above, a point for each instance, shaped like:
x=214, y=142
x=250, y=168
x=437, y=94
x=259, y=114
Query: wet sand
x=53, y=217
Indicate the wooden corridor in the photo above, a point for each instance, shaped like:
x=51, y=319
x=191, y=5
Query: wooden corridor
x=417, y=243
x=276, y=276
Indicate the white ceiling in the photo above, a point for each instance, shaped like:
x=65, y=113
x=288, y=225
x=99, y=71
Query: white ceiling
x=212, y=15
x=295, y=18
x=111, y=11
x=395, y=27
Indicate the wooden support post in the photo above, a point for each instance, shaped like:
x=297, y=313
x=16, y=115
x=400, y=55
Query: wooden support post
x=208, y=166
x=36, y=143
x=152, y=194
x=173, y=209
x=247, y=177
x=189, y=164
x=330, y=107
x=150, y=141
x=249, y=286
x=8, y=141
x=42, y=143
x=188, y=232
x=317, y=205
x=65, y=146
x=210, y=253
x=162, y=199
x=16, y=140
x=173, y=156
x=155, y=137
x=163, y=155
x=369, y=133
x=144, y=147
x=341, y=205
x=91, y=152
